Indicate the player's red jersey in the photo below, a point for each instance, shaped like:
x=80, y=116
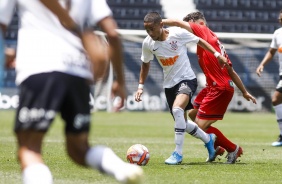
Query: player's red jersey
x=215, y=75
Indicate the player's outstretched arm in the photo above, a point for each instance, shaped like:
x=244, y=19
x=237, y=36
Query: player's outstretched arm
x=62, y=14
x=109, y=26
x=178, y=23
x=97, y=50
x=143, y=75
x=238, y=82
x=267, y=58
x=221, y=59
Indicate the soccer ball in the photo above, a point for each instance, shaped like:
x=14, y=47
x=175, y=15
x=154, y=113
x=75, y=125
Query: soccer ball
x=138, y=154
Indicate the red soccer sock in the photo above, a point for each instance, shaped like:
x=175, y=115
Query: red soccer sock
x=221, y=140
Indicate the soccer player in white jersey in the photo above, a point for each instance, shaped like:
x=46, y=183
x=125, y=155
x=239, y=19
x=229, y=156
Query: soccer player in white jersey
x=180, y=83
x=276, y=45
x=53, y=74
x=3, y=27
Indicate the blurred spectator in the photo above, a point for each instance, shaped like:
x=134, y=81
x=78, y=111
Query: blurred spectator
x=2, y=58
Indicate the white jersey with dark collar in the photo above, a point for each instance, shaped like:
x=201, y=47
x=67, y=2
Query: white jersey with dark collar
x=171, y=55
x=43, y=44
x=277, y=44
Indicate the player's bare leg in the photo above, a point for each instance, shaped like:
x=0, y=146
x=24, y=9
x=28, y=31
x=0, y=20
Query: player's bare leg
x=234, y=151
x=29, y=154
x=192, y=113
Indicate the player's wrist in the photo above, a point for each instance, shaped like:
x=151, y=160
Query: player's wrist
x=216, y=54
x=76, y=29
x=140, y=86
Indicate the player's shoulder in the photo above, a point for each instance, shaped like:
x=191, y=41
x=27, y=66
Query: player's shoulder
x=278, y=31
x=177, y=31
x=147, y=41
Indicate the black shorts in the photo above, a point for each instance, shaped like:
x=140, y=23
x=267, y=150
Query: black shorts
x=188, y=87
x=279, y=85
x=43, y=95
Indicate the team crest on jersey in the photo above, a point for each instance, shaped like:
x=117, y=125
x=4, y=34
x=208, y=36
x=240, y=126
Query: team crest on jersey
x=173, y=45
x=182, y=86
x=231, y=83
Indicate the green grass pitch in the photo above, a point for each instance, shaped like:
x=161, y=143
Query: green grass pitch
x=255, y=132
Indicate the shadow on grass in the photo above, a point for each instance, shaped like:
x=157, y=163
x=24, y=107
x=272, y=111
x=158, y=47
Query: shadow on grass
x=212, y=163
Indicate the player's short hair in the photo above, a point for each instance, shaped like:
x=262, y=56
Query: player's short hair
x=153, y=17
x=194, y=16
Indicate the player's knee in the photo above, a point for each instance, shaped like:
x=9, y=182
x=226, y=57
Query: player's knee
x=178, y=115
x=276, y=99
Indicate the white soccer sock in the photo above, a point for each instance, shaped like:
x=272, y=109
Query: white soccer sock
x=193, y=129
x=278, y=112
x=179, y=129
x=106, y=161
x=103, y=159
x=37, y=173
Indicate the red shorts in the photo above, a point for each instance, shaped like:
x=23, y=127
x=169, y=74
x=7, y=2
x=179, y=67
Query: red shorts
x=212, y=103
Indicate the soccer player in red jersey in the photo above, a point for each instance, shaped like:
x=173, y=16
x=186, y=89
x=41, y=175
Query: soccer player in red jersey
x=211, y=103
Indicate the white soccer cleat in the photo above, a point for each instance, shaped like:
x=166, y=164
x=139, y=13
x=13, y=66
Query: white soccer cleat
x=232, y=156
x=130, y=174
x=278, y=142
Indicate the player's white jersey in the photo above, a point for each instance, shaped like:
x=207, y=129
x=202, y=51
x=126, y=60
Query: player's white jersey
x=43, y=44
x=277, y=44
x=171, y=55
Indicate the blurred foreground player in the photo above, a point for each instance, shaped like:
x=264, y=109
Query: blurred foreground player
x=53, y=74
x=276, y=45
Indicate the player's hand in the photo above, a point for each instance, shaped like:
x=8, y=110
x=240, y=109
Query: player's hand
x=249, y=97
x=259, y=70
x=138, y=95
x=121, y=93
x=223, y=62
x=10, y=56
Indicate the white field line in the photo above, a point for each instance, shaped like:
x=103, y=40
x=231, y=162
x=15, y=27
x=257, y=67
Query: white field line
x=166, y=141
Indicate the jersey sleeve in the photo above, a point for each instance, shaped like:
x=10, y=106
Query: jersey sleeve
x=188, y=37
x=274, y=44
x=6, y=11
x=99, y=10
x=146, y=55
